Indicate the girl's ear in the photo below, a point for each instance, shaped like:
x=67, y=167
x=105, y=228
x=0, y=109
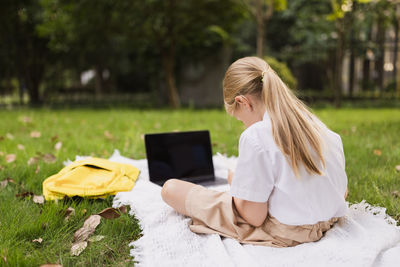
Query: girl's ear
x=241, y=100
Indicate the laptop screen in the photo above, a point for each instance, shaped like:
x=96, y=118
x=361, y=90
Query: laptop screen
x=179, y=155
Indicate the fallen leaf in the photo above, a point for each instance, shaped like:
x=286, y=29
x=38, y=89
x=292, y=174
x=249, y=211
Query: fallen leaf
x=5, y=182
x=11, y=158
x=49, y=158
x=142, y=136
x=108, y=135
x=1, y=138
x=20, y=147
x=58, y=145
x=35, y=134
x=38, y=240
x=54, y=138
x=68, y=213
x=10, y=136
x=25, y=194
x=378, y=152
x=37, y=169
x=123, y=209
x=396, y=193
x=51, y=265
x=78, y=247
x=398, y=168
x=95, y=238
x=33, y=160
x=111, y=213
x=84, y=211
x=38, y=199
x=89, y=226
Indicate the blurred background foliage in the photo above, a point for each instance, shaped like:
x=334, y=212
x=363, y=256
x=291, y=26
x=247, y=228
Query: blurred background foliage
x=174, y=53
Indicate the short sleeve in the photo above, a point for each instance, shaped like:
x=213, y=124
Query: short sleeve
x=253, y=178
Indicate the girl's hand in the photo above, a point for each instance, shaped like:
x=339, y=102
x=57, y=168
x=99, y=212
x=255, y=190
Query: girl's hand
x=230, y=176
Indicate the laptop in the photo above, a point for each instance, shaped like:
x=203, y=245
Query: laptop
x=182, y=155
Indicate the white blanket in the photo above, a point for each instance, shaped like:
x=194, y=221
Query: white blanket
x=366, y=236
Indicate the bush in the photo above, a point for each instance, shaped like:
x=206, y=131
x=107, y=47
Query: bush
x=283, y=71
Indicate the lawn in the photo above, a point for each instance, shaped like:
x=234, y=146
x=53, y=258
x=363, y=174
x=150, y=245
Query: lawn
x=371, y=141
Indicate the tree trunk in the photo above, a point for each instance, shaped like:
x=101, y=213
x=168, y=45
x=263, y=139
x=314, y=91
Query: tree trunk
x=260, y=28
x=99, y=82
x=352, y=50
x=262, y=14
x=396, y=58
x=168, y=57
x=339, y=64
x=366, y=81
x=169, y=70
x=379, y=63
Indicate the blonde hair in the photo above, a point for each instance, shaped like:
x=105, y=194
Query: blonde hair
x=294, y=128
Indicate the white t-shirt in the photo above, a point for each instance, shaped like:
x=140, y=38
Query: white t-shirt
x=263, y=174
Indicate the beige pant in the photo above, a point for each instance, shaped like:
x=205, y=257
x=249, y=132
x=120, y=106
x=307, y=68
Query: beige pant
x=214, y=212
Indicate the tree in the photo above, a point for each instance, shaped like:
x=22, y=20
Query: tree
x=27, y=53
x=262, y=11
x=184, y=30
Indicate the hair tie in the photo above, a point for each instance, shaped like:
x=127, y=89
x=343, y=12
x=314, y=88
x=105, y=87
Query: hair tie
x=262, y=76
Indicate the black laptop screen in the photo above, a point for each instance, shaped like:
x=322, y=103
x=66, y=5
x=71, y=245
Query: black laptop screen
x=179, y=155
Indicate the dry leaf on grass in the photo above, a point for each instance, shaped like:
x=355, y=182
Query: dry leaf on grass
x=21, y=147
x=38, y=240
x=11, y=158
x=38, y=199
x=89, y=226
x=84, y=211
x=95, y=238
x=108, y=135
x=5, y=182
x=398, y=168
x=49, y=158
x=10, y=136
x=396, y=193
x=54, y=138
x=68, y=213
x=58, y=145
x=112, y=213
x=77, y=248
x=1, y=138
x=35, y=134
x=378, y=152
x=33, y=160
x=35, y=198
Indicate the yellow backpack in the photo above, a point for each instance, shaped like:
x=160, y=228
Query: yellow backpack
x=90, y=177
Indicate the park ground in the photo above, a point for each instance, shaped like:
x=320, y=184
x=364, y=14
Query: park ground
x=46, y=138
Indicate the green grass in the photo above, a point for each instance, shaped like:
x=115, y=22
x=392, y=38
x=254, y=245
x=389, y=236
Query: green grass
x=81, y=132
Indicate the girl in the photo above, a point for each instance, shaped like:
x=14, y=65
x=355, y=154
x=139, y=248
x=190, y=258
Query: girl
x=290, y=184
